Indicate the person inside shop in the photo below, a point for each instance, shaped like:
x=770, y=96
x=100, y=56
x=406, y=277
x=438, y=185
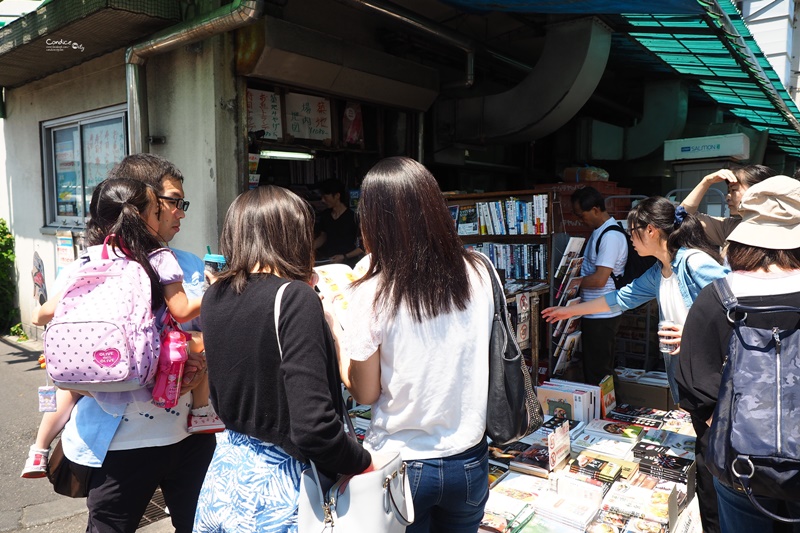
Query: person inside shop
x=418, y=355
x=685, y=263
x=337, y=227
x=276, y=386
x=764, y=254
x=599, y=330
x=738, y=180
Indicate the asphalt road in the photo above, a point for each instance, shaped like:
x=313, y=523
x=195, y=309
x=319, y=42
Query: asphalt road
x=30, y=505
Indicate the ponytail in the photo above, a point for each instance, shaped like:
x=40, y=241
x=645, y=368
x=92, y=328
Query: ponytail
x=116, y=209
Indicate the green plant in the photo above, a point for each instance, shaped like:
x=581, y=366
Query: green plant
x=8, y=283
x=17, y=330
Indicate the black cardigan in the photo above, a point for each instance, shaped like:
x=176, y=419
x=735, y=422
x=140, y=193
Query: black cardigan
x=294, y=402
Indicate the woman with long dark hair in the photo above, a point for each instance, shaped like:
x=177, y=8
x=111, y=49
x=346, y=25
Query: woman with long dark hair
x=686, y=262
x=418, y=346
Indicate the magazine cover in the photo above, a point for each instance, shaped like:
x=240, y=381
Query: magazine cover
x=614, y=430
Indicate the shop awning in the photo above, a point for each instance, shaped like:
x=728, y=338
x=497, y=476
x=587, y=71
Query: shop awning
x=64, y=33
x=587, y=7
x=717, y=52
x=706, y=41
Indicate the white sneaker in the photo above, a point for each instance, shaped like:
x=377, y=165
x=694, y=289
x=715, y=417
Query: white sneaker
x=36, y=463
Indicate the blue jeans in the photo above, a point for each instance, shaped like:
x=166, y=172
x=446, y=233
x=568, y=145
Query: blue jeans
x=738, y=515
x=450, y=493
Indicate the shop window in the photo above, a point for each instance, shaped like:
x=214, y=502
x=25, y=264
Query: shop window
x=78, y=153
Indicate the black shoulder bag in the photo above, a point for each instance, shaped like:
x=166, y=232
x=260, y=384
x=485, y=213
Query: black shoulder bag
x=512, y=410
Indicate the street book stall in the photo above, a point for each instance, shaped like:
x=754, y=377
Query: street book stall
x=595, y=466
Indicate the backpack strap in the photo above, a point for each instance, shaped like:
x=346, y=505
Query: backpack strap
x=278, y=298
x=613, y=227
x=726, y=296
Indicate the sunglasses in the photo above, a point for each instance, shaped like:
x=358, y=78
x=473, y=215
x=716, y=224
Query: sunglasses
x=180, y=203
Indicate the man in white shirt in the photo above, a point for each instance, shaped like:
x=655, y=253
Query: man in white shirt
x=599, y=331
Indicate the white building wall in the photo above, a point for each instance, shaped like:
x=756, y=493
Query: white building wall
x=772, y=24
x=192, y=102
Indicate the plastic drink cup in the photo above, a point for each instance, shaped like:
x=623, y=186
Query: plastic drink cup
x=662, y=346
x=214, y=264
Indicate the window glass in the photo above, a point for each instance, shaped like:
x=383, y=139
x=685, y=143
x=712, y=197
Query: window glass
x=67, y=168
x=103, y=147
x=78, y=154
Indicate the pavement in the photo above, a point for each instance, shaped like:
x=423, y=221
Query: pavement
x=30, y=505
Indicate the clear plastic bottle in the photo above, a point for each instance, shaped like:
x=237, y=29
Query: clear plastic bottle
x=171, y=361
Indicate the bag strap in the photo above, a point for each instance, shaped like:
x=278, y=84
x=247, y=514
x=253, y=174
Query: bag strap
x=613, y=227
x=731, y=303
x=744, y=479
x=277, y=313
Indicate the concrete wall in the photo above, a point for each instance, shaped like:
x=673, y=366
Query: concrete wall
x=192, y=101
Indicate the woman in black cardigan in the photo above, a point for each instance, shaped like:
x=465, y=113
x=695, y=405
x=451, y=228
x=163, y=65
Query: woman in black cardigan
x=280, y=404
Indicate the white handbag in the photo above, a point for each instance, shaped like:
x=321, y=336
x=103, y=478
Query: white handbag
x=373, y=502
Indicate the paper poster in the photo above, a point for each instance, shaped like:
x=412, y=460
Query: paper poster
x=352, y=124
x=308, y=117
x=264, y=113
x=65, y=250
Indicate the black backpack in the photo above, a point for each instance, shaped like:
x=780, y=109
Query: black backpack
x=635, y=266
x=754, y=439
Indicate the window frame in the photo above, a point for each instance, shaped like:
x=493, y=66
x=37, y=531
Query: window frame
x=49, y=173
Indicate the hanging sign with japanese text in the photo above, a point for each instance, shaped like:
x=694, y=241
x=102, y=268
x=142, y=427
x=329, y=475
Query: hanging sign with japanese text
x=308, y=117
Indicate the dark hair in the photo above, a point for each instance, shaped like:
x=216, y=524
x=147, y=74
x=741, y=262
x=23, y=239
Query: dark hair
x=751, y=258
x=587, y=198
x=334, y=186
x=407, y=227
x=149, y=168
x=659, y=212
x=269, y=227
x=749, y=175
x=117, y=208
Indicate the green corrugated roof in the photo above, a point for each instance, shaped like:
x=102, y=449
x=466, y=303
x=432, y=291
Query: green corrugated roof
x=719, y=53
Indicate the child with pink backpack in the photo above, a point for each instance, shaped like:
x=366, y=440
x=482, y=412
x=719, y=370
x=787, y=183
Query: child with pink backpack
x=126, y=263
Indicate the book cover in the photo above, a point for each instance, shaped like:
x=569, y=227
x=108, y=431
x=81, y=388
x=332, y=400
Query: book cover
x=596, y=468
x=608, y=399
x=571, y=290
x=571, y=251
x=629, y=466
x=334, y=279
x=454, y=214
x=614, y=430
x=642, y=416
x=468, y=220
x=677, y=444
x=502, y=455
x=571, y=511
x=562, y=324
x=566, y=350
x=555, y=402
x=602, y=445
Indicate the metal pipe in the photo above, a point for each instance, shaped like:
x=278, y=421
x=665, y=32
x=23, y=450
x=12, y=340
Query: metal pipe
x=429, y=27
x=224, y=19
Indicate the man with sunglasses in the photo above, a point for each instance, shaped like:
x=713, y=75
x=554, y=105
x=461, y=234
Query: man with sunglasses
x=599, y=331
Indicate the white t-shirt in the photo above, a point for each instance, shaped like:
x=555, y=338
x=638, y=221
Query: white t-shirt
x=613, y=254
x=670, y=301
x=434, y=373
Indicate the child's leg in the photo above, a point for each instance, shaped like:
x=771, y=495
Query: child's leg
x=53, y=423
x=200, y=394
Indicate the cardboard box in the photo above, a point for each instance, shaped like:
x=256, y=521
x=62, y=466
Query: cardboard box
x=643, y=395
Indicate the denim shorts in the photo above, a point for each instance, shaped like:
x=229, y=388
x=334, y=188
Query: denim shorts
x=450, y=492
